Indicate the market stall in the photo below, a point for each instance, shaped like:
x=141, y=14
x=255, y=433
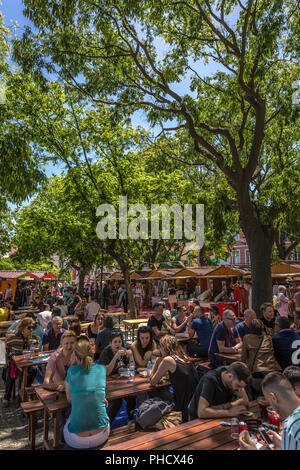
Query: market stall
x=227, y=286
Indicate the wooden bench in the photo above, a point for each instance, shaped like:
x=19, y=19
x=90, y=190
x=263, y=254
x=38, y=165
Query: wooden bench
x=30, y=392
x=31, y=409
x=117, y=436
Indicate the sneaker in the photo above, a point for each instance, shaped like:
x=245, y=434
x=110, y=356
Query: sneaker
x=5, y=403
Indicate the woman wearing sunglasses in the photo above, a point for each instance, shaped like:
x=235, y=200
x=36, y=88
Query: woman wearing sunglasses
x=16, y=345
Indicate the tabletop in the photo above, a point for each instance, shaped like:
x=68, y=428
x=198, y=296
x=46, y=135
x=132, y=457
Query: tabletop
x=198, y=434
x=115, y=388
x=135, y=321
x=228, y=358
x=25, y=360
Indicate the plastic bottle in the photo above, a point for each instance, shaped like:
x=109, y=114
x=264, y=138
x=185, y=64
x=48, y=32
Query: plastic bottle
x=153, y=359
x=149, y=369
x=131, y=371
x=235, y=428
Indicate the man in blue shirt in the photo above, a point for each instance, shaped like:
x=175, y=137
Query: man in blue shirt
x=225, y=338
x=243, y=327
x=204, y=329
x=284, y=342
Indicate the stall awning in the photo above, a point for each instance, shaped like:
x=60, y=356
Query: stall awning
x=228, y=271
x=186, y=273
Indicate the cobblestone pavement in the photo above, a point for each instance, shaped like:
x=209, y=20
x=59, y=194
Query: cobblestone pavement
x=14, y=427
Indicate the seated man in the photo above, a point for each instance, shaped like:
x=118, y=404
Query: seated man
x=214, y=395
x=268, y=317
x=51, y=339
x=204, y=329
x=292, y=373
x=284, y=342
x=60, y=360
x=243, y=327
x=225, y=338
x=157, y=321
x=91, y=309
x=281, y=396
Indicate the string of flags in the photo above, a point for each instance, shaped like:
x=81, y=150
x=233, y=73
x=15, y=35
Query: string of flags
x=195, y=261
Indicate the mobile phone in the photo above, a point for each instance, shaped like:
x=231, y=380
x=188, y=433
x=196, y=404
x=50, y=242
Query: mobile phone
x=266, y=438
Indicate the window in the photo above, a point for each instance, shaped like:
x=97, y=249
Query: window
x=248, y=261
x=236, y=256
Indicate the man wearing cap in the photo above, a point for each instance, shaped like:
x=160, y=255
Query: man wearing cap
x=284, y=342
x=244, y=326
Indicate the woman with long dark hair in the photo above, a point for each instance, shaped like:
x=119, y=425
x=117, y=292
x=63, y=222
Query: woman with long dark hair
x=143, y=347
x=183, y=375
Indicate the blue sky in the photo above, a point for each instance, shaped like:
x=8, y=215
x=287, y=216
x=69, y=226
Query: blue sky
x=13, y=12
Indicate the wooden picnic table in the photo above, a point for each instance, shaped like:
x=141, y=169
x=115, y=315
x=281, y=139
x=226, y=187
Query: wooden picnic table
x=55, y=402
x=132, y=324
x=4, y=325
x=23, y=362
x=198, y=434
x=228, y=358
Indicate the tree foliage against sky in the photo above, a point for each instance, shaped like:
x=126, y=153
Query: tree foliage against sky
x=238, y=121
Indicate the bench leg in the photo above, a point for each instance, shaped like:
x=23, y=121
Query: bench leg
x=56, y=429
x=46, y=430
x=32, y=423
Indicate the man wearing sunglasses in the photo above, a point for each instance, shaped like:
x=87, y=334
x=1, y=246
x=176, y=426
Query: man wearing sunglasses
x=14, y=345
x=225, y=338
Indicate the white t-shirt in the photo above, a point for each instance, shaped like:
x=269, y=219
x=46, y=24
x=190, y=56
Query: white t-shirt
x=44, y=318
x=291, y=431
x=92, y=308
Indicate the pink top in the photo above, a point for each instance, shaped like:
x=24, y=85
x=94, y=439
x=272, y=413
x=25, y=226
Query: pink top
x=283, y=309
x=58, y=363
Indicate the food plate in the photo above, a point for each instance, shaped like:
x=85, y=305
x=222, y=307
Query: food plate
x=142, y=371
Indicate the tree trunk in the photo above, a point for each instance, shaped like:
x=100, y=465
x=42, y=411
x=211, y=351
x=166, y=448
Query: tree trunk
x=82, y=273
x=131, y=303
x=260, y=239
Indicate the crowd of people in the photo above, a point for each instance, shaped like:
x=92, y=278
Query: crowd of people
x=80, y=364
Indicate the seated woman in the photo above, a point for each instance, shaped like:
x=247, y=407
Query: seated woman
x=104, y=334
x=74, y=325
x=143, y=347
x=111, y=357
x=14, y=345
x=88, y=426
x=96, y=326
x=258, y=354
x=183, y=375
x=60, y=361
x=179, y=322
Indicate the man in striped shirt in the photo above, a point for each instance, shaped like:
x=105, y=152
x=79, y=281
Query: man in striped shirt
x=279, y=393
